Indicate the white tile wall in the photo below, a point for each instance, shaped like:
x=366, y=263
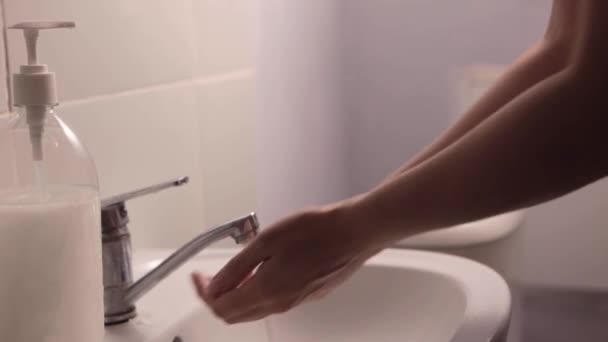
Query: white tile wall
x=157, y=90
x=142, y=139
x=117, y=45
x=224, y=34
x=227, y=143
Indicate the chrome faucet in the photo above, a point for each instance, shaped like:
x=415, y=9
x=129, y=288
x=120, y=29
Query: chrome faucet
x=120, y=292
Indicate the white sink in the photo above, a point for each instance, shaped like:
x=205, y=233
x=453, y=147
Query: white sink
x=397, y=296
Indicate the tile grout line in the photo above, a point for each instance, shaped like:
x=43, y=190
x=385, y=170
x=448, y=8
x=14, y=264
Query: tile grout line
x=7, y=64
x=207, y=80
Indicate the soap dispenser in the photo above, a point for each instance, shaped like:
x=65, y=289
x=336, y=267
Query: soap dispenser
x=51, y=286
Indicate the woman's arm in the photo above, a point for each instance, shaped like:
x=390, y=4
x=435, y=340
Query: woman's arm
x=551, y=140
x=546, y=58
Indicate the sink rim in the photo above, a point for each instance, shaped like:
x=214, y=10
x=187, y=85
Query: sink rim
x=488, y=298
x=480, y=319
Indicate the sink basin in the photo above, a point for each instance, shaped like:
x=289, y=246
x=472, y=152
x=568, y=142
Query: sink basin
x=399, y=295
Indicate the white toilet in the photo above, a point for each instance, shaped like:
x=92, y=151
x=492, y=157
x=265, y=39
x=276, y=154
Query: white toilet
x=480, y=241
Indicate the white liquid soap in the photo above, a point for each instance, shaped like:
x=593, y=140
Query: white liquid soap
x=51, y=282
x=50, y=263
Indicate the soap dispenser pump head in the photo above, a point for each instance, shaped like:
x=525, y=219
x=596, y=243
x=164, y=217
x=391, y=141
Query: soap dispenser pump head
x=31, y=31
x=34, y=86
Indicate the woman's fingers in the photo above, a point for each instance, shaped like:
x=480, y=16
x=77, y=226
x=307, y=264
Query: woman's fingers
x=238, y=269
x=249, y=316
x=259, y=296
x=231, y=307
x=201, y=282
x=239, y=301
x=300, y=257
x=266, y=309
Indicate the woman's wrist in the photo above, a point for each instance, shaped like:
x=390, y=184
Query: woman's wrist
x=364, y=221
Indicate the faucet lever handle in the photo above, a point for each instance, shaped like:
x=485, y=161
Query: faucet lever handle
x=110, y=201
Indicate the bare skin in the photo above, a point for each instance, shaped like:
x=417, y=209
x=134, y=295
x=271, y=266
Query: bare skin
x=538, y=134
x=547, y=57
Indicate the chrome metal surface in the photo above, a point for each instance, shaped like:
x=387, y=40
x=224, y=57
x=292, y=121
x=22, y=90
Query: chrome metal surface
x=143, y=192
x=120, y=292
x=241, y=230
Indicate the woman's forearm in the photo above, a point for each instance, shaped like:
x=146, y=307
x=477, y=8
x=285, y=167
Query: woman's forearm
x=546, y=58
x=540, y=62
x=547, y=142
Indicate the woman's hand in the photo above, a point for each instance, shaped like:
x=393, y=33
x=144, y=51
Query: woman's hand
x=299, y=258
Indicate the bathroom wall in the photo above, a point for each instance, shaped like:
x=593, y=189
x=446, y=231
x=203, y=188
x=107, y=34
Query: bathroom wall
x=157, y=90
x=301, y=135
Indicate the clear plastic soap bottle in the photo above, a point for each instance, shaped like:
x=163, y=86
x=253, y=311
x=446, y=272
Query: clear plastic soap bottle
x=51, y=286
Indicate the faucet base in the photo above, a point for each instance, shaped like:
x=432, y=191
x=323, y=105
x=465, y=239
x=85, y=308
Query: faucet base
x=120, y=318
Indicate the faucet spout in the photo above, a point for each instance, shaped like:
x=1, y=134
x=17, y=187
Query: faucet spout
x=241, y=230
x=120, y=292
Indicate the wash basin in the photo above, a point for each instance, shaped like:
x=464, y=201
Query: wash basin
x=399, y=295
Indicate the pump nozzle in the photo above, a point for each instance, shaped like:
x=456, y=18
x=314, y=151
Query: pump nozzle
x=35, y=87
x=31, y=30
